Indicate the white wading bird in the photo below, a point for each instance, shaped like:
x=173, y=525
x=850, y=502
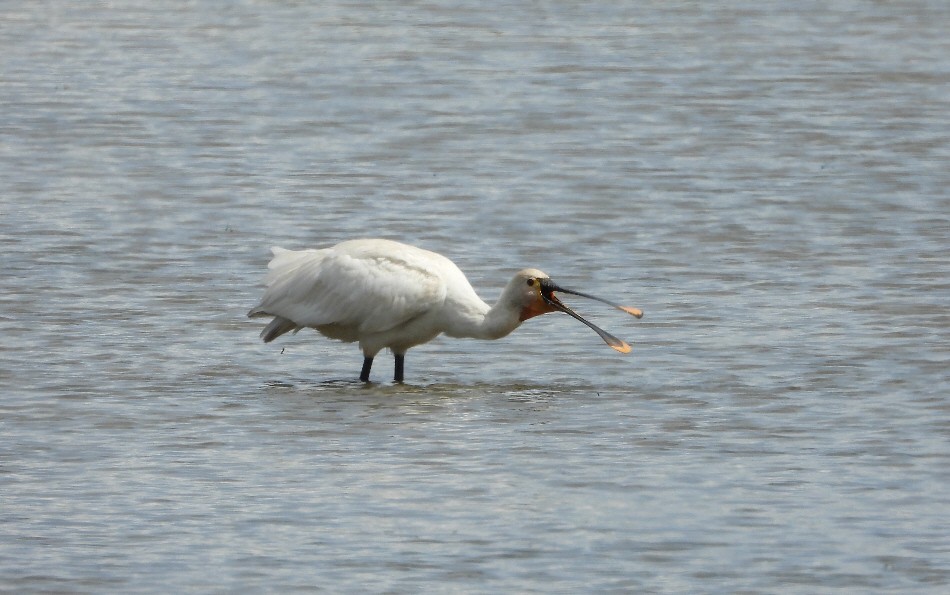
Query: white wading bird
x=386, y=294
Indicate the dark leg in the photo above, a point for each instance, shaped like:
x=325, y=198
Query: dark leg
x=367, y=364
x=400, y=362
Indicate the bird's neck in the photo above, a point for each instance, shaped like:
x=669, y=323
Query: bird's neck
x=481, y=321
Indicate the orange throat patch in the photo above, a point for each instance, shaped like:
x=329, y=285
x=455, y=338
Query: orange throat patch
x=535, y=308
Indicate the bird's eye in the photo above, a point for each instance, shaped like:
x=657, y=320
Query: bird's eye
x=530, y=282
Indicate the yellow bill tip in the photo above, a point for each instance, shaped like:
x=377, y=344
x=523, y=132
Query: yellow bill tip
x=634, y=311
x=622, y=347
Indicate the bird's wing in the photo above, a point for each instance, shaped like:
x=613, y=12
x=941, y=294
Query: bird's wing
x=368, y=292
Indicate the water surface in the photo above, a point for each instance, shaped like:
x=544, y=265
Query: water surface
x=769, y=184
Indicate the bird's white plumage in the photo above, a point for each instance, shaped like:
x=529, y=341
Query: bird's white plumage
x=360, y=290
x=353, y=285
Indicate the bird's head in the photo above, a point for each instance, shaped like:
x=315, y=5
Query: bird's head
x=533, y=293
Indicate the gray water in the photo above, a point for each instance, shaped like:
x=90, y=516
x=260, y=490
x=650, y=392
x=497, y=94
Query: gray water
x=769, y=183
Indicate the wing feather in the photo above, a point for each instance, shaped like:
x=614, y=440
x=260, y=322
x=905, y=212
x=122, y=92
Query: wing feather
x=357, y=287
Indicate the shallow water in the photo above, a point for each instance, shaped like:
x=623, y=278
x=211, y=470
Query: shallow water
x=769, y=186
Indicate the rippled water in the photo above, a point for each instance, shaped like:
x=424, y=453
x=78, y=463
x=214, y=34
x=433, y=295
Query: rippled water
x=769, y=185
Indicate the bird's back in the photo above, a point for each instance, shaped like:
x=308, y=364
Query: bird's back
x=355, y=288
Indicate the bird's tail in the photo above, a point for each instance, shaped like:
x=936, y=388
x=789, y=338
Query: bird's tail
x=282, y=266
x=277, y=327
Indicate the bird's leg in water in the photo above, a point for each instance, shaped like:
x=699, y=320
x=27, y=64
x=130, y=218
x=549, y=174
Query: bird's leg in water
x=400, y=362
x=367, y=364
